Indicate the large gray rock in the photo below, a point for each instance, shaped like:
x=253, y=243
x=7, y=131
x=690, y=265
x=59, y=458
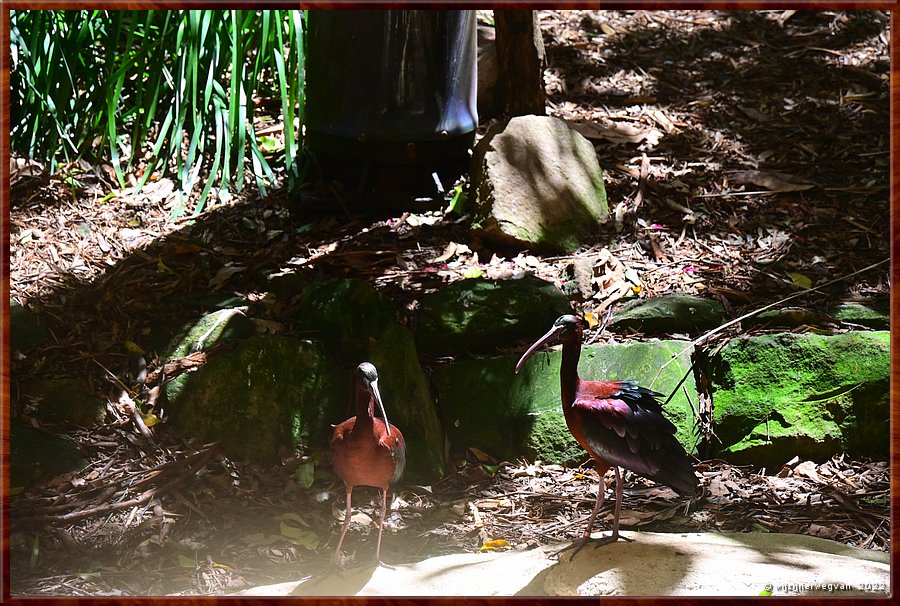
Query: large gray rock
x=288, y=391
x=873, y=314
x=222, y=326
x=780, y=395
x=275, y=391
x=357, y=323
x=219, y=326
x=485, y=404
x=480, y=316
x=537, y=184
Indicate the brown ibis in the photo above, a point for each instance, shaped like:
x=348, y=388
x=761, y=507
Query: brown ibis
x=366, y=450
x=619, y=423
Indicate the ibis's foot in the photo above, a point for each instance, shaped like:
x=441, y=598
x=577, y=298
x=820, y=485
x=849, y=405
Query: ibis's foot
x=579, y=544
x=341, y=560
x=381, y=563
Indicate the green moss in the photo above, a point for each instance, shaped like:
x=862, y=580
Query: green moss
x=551, y=441
x=807, y=385
x=669, y=314
x=873, y=315
x=483, y=403
x=222, y=325
x=651, y=364
x=216, y=327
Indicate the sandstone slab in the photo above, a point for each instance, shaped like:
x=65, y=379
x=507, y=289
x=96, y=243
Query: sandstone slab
x=653, y=564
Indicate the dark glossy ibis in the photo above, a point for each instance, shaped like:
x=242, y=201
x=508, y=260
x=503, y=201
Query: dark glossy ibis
x=367, y=451
x=619, y=423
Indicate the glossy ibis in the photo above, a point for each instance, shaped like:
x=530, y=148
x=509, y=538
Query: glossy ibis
x=367, y=451
x=619, y=423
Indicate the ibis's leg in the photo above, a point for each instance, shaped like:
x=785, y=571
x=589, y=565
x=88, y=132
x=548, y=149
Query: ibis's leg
x=620, y=480
x=601, y=490
x=381, y=523
x=586, y=535
x=346, y=521
x=615, y=528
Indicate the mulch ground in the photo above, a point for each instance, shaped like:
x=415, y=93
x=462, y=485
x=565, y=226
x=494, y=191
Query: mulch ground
x=746, y=156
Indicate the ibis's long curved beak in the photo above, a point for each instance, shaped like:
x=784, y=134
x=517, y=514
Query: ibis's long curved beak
x=374, y=386
x=552, y=334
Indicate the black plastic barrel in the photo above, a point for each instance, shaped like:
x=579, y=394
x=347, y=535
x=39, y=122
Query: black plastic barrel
x=391, y=86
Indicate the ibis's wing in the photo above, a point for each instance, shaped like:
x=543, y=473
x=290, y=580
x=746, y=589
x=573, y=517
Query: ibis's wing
x=624, y=425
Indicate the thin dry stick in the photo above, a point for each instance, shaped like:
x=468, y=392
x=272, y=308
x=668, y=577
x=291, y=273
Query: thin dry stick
x=719, y=329
x=200, y=460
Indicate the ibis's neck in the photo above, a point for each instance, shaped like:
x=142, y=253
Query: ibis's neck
x=568, y=371
x=365, y=406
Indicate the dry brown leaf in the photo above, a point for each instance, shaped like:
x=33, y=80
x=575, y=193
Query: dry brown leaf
x=807, y=469
x=773, y=181
x=826, y=532
x=448, y=252
x=617, y=132
x=608, y=29
x=662, y=120
x=224, y=274
x=482, y=456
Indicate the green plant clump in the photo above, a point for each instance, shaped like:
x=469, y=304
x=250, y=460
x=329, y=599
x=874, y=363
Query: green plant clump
x=157, y=91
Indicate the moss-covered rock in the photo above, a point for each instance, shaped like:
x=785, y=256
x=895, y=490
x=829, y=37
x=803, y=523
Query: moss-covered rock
x=551, y=441
x=279, y=391
x=789, y=318
x=480, y=316
x=669, y=314
x=26, y=330
x=37, y=455
x=225, y=325
x=485, y=404
x=222, y=325
x=345, y=315
x=875, y=314
x=781, y=395
x=268, y=392
x=65, y=400
x=651, y=364
x=407, y=399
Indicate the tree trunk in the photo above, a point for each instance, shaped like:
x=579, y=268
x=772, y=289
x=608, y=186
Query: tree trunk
x=520, y=55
